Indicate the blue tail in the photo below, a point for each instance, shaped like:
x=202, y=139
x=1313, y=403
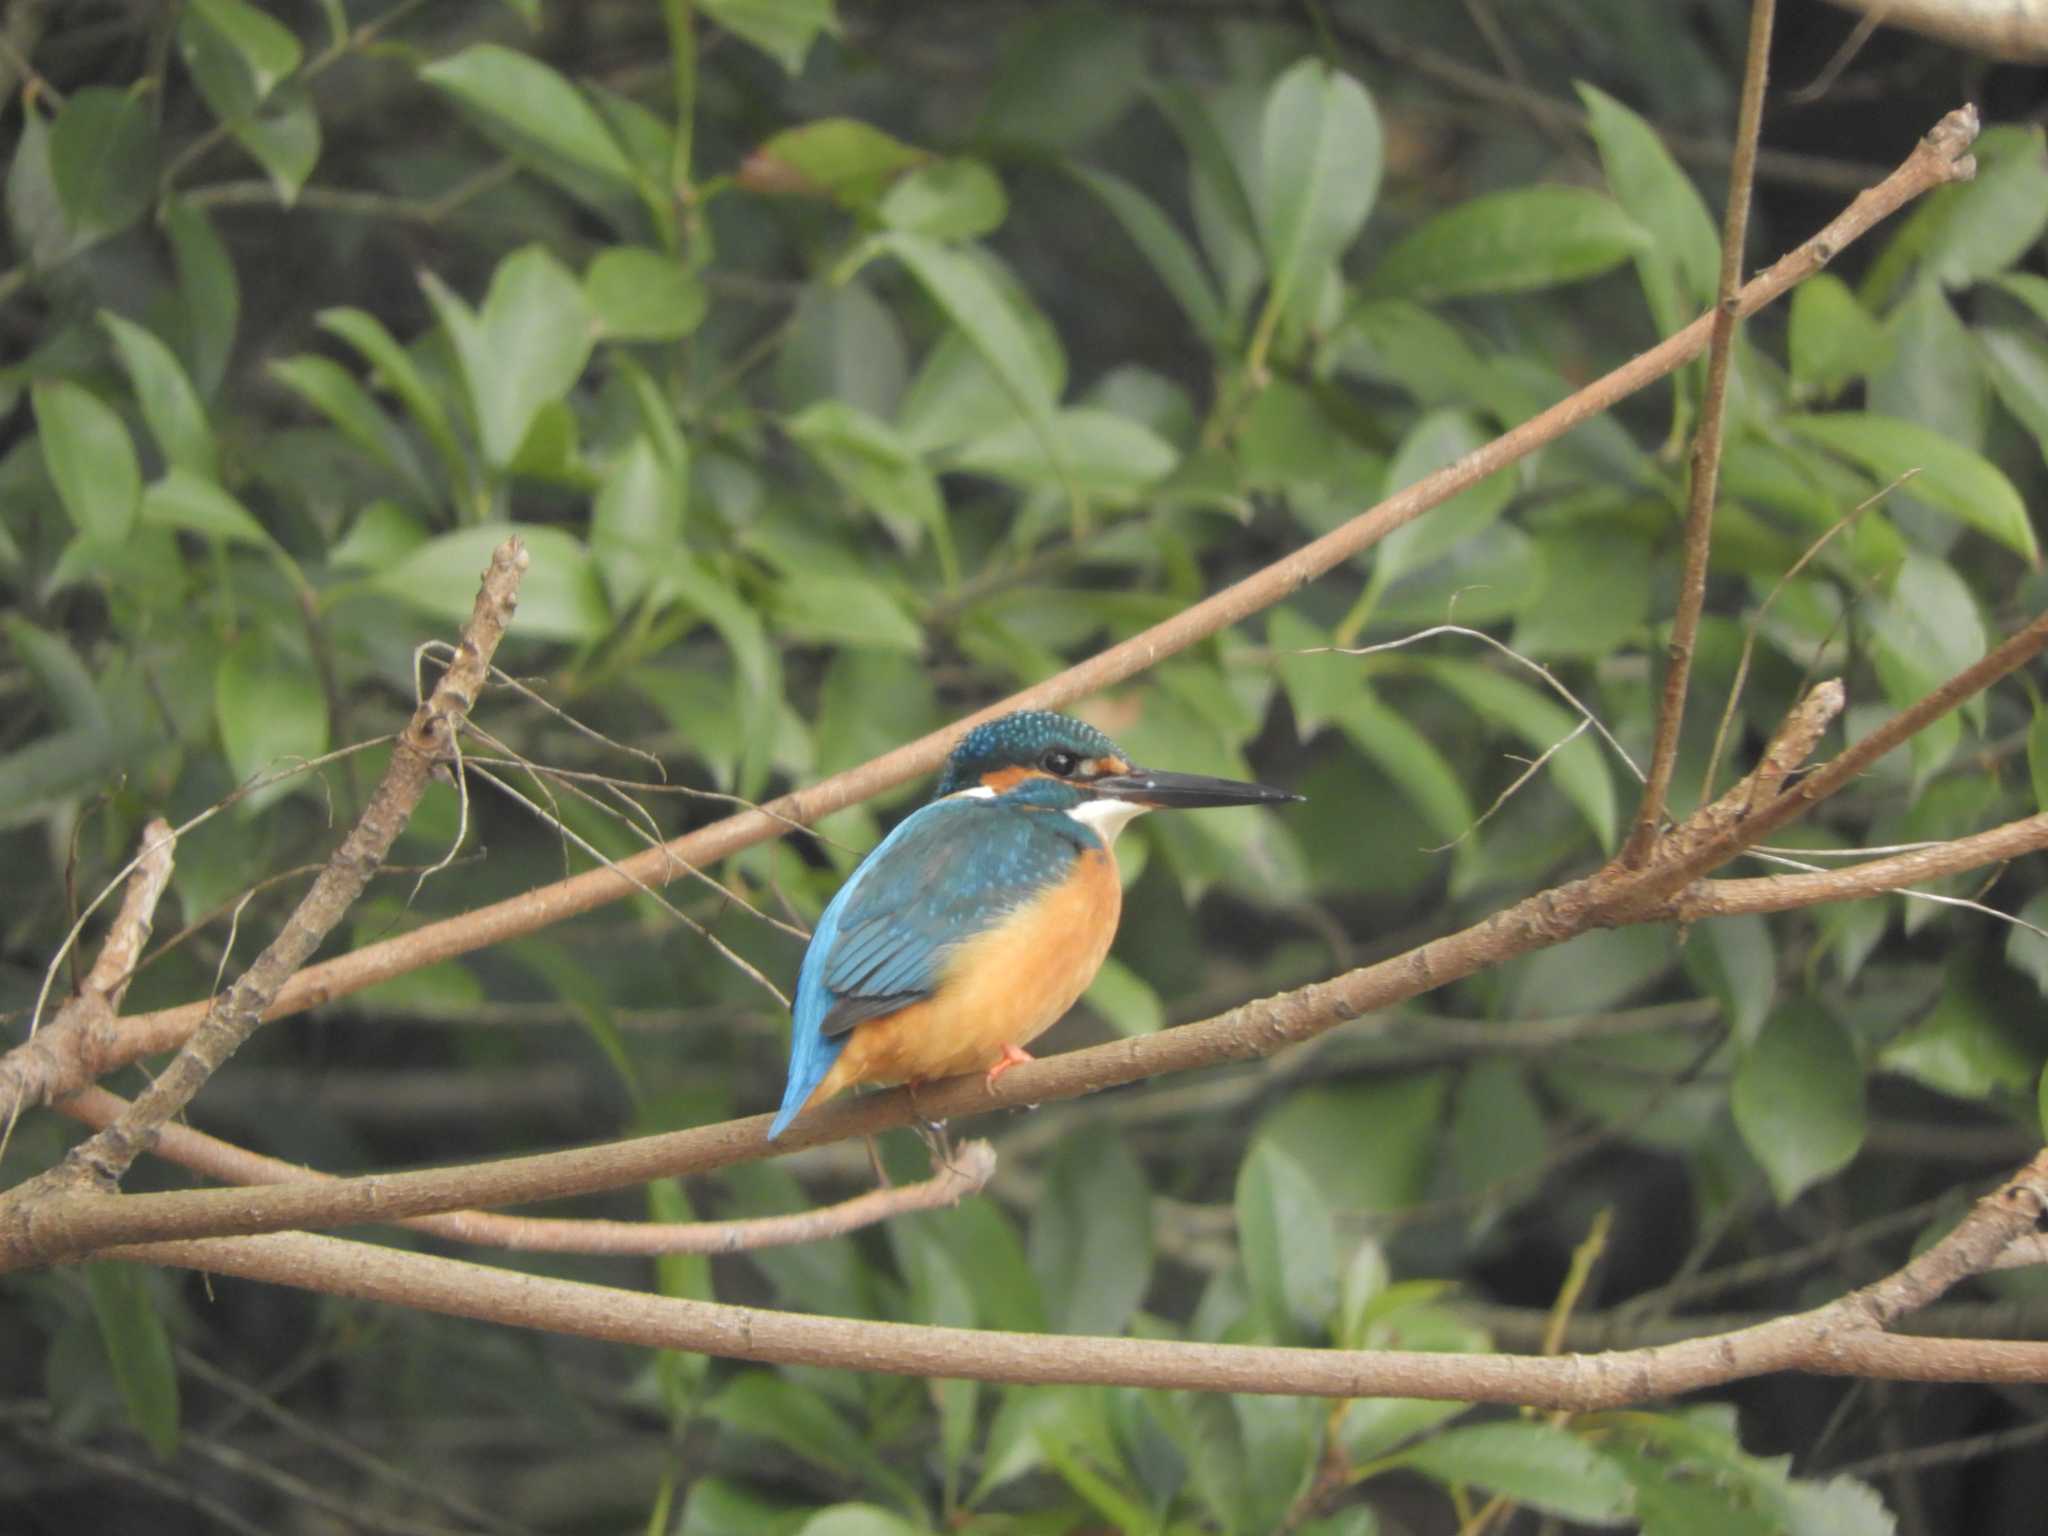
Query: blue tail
x=810, y=1057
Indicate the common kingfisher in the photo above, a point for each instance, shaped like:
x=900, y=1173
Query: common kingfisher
x=973, y=926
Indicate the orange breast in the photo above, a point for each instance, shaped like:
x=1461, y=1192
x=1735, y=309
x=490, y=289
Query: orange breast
x=1004, y=987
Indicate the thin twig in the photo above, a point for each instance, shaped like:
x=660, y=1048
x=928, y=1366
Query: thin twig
x=98, y=1163
x=1706, y=444
x=969, y=1170
x=1942, y=157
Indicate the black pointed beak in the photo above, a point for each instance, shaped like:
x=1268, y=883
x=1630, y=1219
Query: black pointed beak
x=1186, y=791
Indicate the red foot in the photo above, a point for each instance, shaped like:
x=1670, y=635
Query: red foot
x=1013, y=1056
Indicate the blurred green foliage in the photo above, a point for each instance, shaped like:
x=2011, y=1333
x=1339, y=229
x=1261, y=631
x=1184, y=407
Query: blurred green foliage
x=846, y=367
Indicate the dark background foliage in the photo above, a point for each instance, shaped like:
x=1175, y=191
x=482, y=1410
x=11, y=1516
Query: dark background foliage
x=823, y=434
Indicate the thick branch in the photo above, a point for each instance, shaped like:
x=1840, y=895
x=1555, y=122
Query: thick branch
x=1706, y=442
x=1752, y=809
x=98, y=1163
x=1843, y=1338
x=1940, y=158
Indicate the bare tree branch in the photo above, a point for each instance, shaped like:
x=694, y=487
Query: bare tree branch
x=1843, y=1338
x=1940, y=158
x=972, y=1165
x=1706, y=442
x=88, y=1024
x=98, y=1163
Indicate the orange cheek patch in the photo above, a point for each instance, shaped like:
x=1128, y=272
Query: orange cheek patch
x=1005, y=779
x=1006, y=987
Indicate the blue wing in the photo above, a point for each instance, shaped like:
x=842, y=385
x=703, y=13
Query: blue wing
x=946, y=873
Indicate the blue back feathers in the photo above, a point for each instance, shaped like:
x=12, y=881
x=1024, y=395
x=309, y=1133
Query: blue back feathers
x=950, y=870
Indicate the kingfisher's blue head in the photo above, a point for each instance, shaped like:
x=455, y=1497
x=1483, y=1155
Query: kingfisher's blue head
x=1059, y=763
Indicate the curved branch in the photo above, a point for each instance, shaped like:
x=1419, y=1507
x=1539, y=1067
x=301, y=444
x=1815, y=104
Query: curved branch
x=1843, y=1338
x=971, y=1167
x=1941, y=157
x=1752, y=809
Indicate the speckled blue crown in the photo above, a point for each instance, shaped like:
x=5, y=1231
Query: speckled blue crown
x=1019, y=739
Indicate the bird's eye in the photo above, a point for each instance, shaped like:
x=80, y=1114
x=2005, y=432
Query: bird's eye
x=1060, y=761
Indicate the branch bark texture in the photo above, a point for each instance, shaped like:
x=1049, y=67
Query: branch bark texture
x=97, y=1164
x=1941, y=157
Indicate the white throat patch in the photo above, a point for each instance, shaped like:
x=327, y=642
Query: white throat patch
x=1107, y=816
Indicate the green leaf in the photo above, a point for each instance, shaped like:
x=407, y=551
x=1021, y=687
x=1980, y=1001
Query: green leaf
x=63, y=676
x=842, y=158
x=40, y=230
x=1064, y=74
x=393, y=368
x=1508, y=242
x=861, y=1519
x=1693, y=1476
x=786, y=1413
x=1406, y=755
x=782, y=29
x=1578, y=769
x=1210, y=128
x=1320, y=150
x=1125, y=999
x=878, y=467
x=103, y=160
x=1595, y=597
x=1988, y=223
x=533, y=104
x=1497, y=1134
x=90, y=459
x=1931, y=372
x=1091, y=1234
x=637, y=518
x=182, y=499
x=271, y=712
x=1288, y=1245
x=1965, y=1048
x=268, y=48
x=1832, y=339
x=1735, y=960
x=639, y=294
x=332, y=390
x=845, y=610
x=952, y=200
x=169, y=404
x=138, y=1349
x=2037, y=757
x=234, y=69
x=1798, y=1099
x=1169, y=252
x=561, y=597
x=1438, y=439
x=983, y=314
x=1543, y=1466
x=1949, y=476
x=383, y=534
x=525, y=349
x=212, y=298
x=1108, y=457
x=1319, y=1126
x=1649, y=184
x=2016, y=363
